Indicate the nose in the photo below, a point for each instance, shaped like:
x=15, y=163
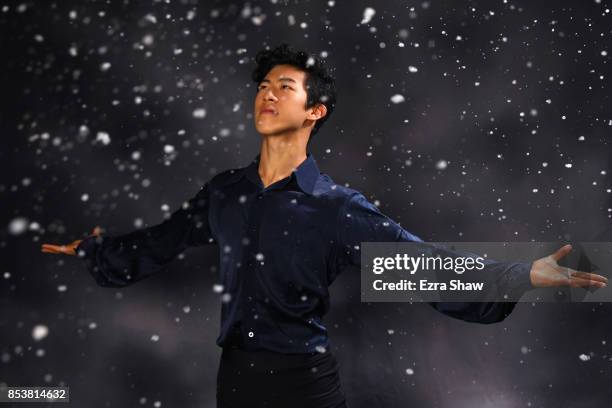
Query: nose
x=269, y=95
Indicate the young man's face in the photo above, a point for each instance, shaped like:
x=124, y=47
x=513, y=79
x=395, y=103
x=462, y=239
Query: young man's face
x=280, y=103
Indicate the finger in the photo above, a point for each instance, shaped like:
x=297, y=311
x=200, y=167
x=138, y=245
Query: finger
x=52, y=251
x=561, y=252
x=585, y=283
x=52, y=246
x=63, y=249
x=588, y=275
x=49, y=247
x=58, y=249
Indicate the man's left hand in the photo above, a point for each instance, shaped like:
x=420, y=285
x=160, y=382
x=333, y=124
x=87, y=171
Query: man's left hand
x=546, y=272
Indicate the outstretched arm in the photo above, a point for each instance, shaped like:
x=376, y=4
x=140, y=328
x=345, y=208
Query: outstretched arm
x=122, y=260
x=544, y=272
x=360, y=221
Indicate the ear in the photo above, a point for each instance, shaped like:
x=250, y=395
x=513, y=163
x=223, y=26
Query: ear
x=317, y=112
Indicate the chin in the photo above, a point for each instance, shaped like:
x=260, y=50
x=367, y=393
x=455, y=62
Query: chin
x=268, y=130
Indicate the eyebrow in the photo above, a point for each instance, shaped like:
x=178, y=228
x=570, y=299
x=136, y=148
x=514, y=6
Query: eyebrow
x=286, y=79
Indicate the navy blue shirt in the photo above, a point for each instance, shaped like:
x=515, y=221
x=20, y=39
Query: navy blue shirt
x=280, y=248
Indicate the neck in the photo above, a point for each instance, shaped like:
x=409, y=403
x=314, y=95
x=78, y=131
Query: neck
x=280, y=155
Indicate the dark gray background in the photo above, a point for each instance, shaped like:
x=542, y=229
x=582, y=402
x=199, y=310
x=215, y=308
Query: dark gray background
x=494, y=137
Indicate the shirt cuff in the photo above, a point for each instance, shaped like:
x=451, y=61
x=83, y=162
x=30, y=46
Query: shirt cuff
x=519, y=280
x=87, y=248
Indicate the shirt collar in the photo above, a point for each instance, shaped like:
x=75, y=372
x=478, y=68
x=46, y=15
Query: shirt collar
x=306, y=174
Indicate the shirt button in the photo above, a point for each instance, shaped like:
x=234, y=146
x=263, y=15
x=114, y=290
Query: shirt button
x=251, y=334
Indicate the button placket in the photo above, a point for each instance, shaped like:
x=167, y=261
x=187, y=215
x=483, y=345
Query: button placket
x=249, y=289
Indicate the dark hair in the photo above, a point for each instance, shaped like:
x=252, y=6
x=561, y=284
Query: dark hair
x=320, y=84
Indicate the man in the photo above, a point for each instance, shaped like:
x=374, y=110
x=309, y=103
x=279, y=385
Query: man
x=284, y=232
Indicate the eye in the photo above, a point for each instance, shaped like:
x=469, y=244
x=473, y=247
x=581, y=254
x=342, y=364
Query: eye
x=286, y=86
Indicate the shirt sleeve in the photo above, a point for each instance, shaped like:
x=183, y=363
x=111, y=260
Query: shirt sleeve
x=361, y=221
x=123, y=260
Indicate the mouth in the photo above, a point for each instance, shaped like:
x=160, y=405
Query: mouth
x=269, y=111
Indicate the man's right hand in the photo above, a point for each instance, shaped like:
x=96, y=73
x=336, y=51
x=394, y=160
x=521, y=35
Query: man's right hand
x=68, y=249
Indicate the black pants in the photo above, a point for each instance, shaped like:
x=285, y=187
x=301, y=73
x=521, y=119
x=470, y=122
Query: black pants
x=265, y=379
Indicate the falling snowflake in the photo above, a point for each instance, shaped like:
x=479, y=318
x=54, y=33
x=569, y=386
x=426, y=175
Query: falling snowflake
x=441, y=164
x=103, y=137
x=18, y=225
x=397, y=98
x=39, y=332
x=368, y=13
x=199, y=113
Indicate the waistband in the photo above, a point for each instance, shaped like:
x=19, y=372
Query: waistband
x=270, y=360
